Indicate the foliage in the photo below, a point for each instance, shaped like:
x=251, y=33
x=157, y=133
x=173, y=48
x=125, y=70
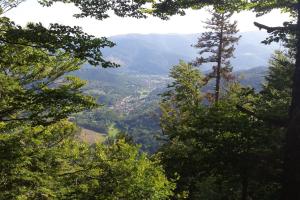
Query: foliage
x=118, y=171
x=275, y=96
x=50, y=164
x=185, y=89
x=166, y=8
x=217, y=46
x=31, y=159
x=33, y=90
x=40, y=157
x=100, y=9
x=219, y=151
x=179, y=106
x=71, y=40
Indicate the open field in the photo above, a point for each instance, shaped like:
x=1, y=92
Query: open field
x=91, y=137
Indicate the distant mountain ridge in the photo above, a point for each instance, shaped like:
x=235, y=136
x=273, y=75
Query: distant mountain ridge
x=157, y=53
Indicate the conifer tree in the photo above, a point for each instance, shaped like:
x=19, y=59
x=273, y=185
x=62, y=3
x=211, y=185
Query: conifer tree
x=217, y=46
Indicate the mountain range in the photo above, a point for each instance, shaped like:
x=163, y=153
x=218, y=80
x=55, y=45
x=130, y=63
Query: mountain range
x=156, y=54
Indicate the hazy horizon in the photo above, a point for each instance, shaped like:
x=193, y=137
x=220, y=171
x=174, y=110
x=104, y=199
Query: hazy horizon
x=175, y=34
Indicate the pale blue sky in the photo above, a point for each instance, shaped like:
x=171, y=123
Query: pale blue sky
x=31, y=11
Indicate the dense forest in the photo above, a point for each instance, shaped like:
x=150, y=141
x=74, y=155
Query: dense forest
x=71, y=127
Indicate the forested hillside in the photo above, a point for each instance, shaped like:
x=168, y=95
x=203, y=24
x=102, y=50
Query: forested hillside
x=155, y=54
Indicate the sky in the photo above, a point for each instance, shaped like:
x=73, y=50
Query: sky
x=31, y=11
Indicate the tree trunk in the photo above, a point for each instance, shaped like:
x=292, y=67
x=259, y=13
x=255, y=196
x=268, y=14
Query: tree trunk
x=219, y=65
x=244, y=187
x=291, y=173
x=218, y=78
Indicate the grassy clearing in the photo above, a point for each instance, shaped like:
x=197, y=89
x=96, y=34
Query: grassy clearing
x=91, y=137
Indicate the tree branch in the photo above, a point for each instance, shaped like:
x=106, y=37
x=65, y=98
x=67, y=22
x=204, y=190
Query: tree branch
x=286, y=28
x=19, y=43
x=74, y=172
x=14, y=119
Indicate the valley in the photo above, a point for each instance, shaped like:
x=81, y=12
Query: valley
x=135, y=110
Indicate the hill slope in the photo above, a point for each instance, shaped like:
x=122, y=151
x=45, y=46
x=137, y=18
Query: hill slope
x=155, y=54
x=131, y=102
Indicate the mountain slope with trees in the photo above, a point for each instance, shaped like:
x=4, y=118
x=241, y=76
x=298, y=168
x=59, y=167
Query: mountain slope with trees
x=155, y=54
x=131, y=102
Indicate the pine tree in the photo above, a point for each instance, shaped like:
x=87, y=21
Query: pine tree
x=217, y=46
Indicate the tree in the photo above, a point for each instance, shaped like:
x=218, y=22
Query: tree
x=218, y=47
x=36, y=99
x=271, y=107
x=216, y=150
x=117, y=171
x=101, y=9
x=180, y=105
x=71, y=40
x=291, y=175
x=47, y=163
x=275, y=97
x=32, y=159
x=167, y=7
x=34, y=90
